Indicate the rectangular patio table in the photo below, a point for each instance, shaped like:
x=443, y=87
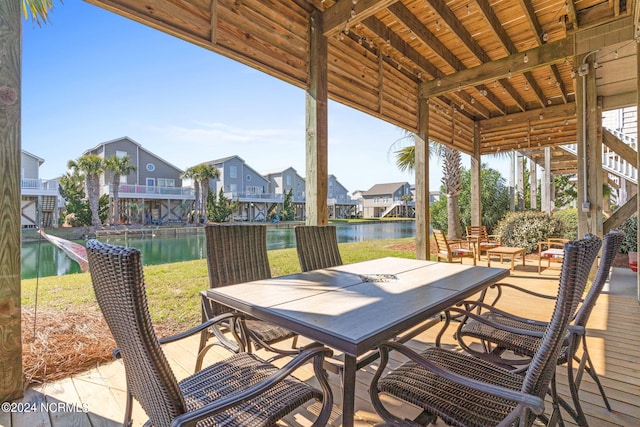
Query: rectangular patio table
x=353, y=308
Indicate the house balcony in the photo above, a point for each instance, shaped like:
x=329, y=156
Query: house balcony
x=39, y=187
x=134, y=191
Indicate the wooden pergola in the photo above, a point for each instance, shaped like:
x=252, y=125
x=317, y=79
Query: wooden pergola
x=479, y=76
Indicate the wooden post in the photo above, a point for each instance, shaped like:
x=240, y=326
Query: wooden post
x=423, y=218
x=547, y=182
x=10, y=156
x=317, y=173
x=638, y=148
x=589, y=149
x=512, y=181
x=476, y=177
x=520, y=181
x=533, y=184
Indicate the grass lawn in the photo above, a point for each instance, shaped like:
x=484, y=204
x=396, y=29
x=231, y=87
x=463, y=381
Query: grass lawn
x=67, y=334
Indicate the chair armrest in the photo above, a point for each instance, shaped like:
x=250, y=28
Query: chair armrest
x=526, y=291
x=499, y=326
x=318, y=353
x=197, y=329
x=534, y=403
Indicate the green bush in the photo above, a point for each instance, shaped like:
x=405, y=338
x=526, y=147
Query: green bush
x=569, y=220
x=526, y=229
x=630, y=228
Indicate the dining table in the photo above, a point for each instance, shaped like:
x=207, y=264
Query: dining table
x=353, y=308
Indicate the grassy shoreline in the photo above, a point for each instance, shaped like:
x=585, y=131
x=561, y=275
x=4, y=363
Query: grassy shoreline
x=173, y=288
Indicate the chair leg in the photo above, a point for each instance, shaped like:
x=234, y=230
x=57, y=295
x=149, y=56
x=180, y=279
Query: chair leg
x=591, y=370
x=574, y=385
x=128, y=410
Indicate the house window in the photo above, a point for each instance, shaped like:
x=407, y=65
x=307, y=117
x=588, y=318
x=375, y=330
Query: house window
x=151, y=182
x=166, y=182
x=385, y=199
x=233, y=171
x=248, y=177
x=121, y=154
x=233, y=188
x=376, y=200
x=151, y=167
x=288, y=179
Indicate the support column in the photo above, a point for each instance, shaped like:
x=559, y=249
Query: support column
x=547, y=183
x=423, y=217
x=512, y=182
x=606, y=198
x=317, y=174
x=533, y=184
x=638, y=135
x=589, y=148
x=476, y=173
x=520, y=184
x=10, y=155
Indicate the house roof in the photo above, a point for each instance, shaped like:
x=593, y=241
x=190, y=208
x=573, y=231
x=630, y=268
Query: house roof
x=136, y=144
x=39, y=159
x=381, y=189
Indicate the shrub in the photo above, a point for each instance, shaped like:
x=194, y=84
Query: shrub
x=630, y=228
x=526, y=229
x=569, y=220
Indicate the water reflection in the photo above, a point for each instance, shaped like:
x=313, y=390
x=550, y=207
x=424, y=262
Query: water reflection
x=167, y=249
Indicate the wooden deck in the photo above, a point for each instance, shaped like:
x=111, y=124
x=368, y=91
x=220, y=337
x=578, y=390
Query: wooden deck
x=96, y=398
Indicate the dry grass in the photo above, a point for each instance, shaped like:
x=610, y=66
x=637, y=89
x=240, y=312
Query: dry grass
x=64, y=344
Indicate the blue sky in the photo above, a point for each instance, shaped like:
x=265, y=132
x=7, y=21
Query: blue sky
x=91, y=76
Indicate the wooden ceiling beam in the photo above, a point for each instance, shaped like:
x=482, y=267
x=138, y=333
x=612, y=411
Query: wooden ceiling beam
x=520, y=102
x=509, y=46
x=560, y=111
x=492, y=98
x=550, y=53
x=422, y=32
x=396, y=42
x=475, y=105
x=344, y=13
x=450, y=20
x=559, y=83
x=572, y=13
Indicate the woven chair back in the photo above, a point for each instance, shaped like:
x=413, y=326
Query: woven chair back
x=236, y=254
x=612, y=241
x=118, y=282
x=578, y=259
x=317, y=247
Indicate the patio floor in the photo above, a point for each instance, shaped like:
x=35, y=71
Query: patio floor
x=97, y=397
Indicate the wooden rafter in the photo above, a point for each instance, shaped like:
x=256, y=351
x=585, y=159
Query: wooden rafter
x=507, y=43
x=336, y=17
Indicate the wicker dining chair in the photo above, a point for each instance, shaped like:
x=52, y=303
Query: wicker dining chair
x=498, y=330
x=453, y=250
x=242, y=390
x=464, y=390
x=237, y=254
x=317, y=247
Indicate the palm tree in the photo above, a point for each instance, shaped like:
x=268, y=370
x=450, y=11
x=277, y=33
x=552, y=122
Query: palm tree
x=191, y=174
x=451, y=178
x=120, y=166
x=204, y=173
x=10, y=104
x=90, y=166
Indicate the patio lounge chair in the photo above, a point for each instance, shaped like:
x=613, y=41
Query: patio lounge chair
x=317, y=247
x=500, y=331
x=477, y=234
x=237, y=254
x=453, y=250
x=242, y=390
x=550, y=249
x=464, y=390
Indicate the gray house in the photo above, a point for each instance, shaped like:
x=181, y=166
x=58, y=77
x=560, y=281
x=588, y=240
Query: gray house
x=339, y=203
x=390, y=199
x=40, y=198
x=285, y=180
x=243, y=184
x=153, y=193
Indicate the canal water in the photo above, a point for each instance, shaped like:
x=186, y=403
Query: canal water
x=51, y=261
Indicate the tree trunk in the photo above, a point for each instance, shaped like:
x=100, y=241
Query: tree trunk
x=196, y=202
x=453, y=218
x=10, y=147
x=205, y=197
x=116, y=199
x=93, y=193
